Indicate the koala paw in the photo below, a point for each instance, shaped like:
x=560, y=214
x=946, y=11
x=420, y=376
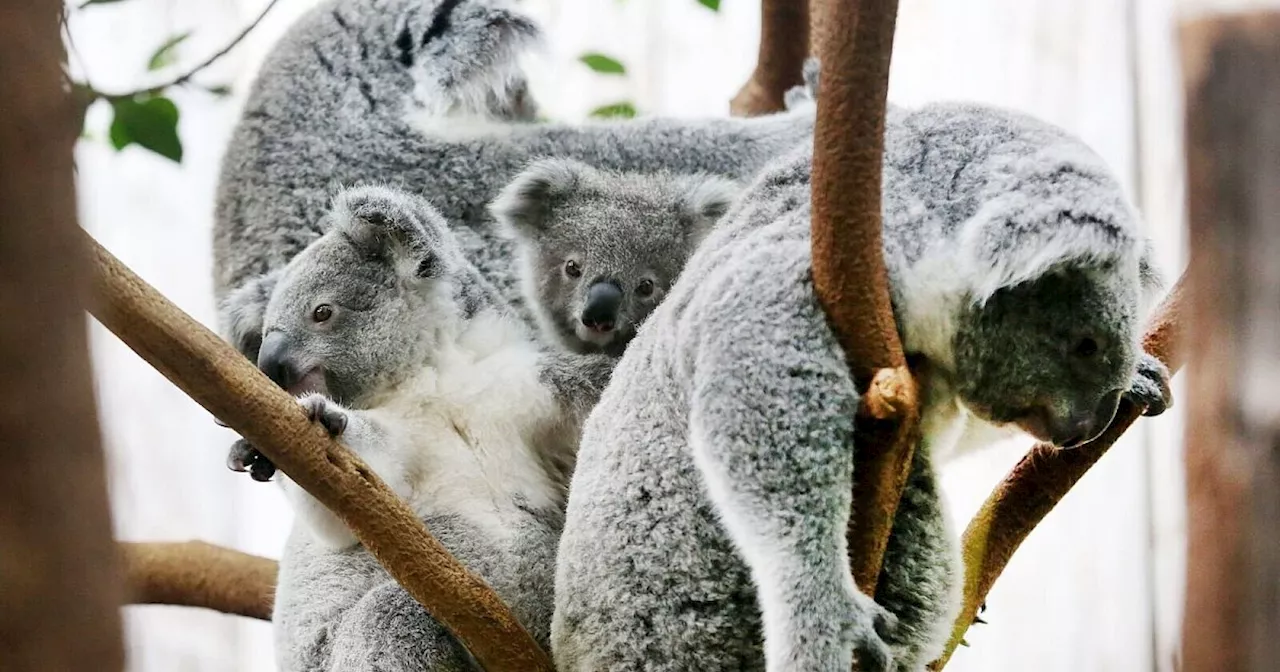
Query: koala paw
x=869, y=629
x=805, y=94
x=328, y=413
x=243, y=457
x=1151, y=386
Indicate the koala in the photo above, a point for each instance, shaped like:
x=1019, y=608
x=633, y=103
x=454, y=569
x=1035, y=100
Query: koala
x=426, y=96
x=394, y=342
x=599, y=249
x=705, y=526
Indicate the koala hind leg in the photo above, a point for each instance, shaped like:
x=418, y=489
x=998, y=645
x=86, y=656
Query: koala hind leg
x=389, y=631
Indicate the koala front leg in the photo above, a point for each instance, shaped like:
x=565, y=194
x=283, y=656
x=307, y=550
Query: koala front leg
x=1151, y=386
x=771, y=434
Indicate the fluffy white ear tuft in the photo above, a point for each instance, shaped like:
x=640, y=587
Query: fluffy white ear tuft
x=708, y=198
x=392, y=225
x=522, y=207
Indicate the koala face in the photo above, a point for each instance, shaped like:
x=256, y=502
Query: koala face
x=1052, y=355
x=370, y=301
x=600, y=250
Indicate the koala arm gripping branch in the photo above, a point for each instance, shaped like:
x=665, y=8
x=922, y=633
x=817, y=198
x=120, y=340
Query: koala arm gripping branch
x=232, y=389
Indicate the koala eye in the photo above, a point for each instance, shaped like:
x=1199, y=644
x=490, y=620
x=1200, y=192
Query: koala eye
x=645, y=288
x=572, y=269
x=1086, y=347
x=322, y=313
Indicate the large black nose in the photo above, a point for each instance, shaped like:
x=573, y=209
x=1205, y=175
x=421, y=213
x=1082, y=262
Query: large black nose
x=1085, y=426
x=601, y=310
x=274, y=360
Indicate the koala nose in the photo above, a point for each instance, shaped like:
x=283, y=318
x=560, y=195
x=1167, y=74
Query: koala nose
x=274, y=360
x=1085, y=426
x=601, y=310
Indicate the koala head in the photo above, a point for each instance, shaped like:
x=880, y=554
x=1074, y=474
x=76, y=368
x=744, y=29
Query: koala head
x=368, y=303
x=600, y=249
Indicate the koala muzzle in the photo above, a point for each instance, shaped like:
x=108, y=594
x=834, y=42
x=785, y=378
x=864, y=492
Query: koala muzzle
x=601, y=310
x=274, y=360
x=1085, y=426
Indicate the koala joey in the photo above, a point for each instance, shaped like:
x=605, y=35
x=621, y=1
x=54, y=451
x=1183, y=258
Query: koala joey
x=395, y=342
x=425, y=95
x=705, y=527
x=599, y=249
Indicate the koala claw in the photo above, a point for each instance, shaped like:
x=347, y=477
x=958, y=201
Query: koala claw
x=870, y=630
x=321, y=409
x=243, y=457
x=1151, y=388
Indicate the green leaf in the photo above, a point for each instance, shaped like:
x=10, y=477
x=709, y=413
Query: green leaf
x=623, y=110
x=603, y=64
x=167, y=53
x=151, y=122
x=220, y=90
x=713, y=5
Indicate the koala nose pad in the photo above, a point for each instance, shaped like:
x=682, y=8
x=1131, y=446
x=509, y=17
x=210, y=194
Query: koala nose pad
x=1086, y=427
x=601, y=310
x=274, y=361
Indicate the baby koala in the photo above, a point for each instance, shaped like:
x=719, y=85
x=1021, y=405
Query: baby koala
x=599, y=249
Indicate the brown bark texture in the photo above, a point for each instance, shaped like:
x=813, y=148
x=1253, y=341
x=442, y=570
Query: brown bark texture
x=784, y=44
x=1044, y=476
x=1232, y=69
x=60, y=591
x=197, y=574
x=233, y=390
x=849, y=273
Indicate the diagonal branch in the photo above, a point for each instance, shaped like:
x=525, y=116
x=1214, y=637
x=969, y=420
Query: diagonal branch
x=849, y=272
x=232, y=389
x=197, y=574
x=1043, y=477
x=784, y=44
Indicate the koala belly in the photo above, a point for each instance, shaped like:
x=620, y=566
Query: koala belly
x=646, y=577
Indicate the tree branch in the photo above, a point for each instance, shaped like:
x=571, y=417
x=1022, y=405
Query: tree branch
x=784, y=44
x=197, y=574
x=849, y=273
x=231, y=388
x=1041, y=479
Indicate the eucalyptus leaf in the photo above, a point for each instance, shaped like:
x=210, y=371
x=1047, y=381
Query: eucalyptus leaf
x=150, y=122
x=167, y=53
x=622, y=110
x=713, y=5
x=603, y=64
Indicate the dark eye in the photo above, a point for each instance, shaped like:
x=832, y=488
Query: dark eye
x=1087, y=347
x=572, y=269
x=322, y=312
x=645, y=288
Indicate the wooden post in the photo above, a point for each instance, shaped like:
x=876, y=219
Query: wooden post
x=784, y=44
x=60, y=590
x=1232, y=70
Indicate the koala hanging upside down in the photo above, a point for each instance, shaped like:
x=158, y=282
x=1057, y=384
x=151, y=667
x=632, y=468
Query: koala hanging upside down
x=396, y=343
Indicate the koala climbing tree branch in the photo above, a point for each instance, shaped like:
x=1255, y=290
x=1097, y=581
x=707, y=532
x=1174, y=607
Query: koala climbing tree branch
x=784, y=44
x=232, y=389
x=849, y=272
x=1044, y=476
x=197, y=574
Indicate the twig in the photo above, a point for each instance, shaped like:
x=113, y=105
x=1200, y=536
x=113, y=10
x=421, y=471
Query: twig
x=784, y=44
x=197, y=574
x=1043, y=477
x=220, y=379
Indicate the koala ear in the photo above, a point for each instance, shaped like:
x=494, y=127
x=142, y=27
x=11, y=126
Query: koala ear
x=392, y=226
x=707, y=199
x=240, y=315
x=1055, y=208
x=523, y=206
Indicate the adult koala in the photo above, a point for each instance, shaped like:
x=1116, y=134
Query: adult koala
x=425, y=95
x=706, y=519
x=450, y=399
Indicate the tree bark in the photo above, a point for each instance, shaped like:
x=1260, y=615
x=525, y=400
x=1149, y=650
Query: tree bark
x=1232, y=69
x=784, y=44
x=59, y=580
x=196, y=574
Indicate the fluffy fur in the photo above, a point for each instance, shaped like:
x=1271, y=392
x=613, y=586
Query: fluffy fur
x=423, y=95
x=705, y=525
x=599, y=249
x=398, y=345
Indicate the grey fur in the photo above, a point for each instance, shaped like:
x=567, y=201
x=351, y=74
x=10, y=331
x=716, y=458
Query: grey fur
x=423, y=95
x=706, y=518
x=449, y=398
x=632, y=230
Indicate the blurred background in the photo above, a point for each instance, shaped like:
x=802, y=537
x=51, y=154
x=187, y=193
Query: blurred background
x=1097, y=586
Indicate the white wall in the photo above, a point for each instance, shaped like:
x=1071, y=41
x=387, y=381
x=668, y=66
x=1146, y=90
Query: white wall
x=1097, y=587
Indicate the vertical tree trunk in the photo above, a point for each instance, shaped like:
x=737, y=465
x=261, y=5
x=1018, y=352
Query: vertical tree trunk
x=1232, y=621
x=784, y=44
x=59, y=583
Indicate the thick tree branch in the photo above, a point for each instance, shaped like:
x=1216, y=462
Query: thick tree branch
x=197, y=574
x=232, y=389
x=849, y=273
x=784, y=44
x=1043, y=477
x=1232, y=70
x=59, y=580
